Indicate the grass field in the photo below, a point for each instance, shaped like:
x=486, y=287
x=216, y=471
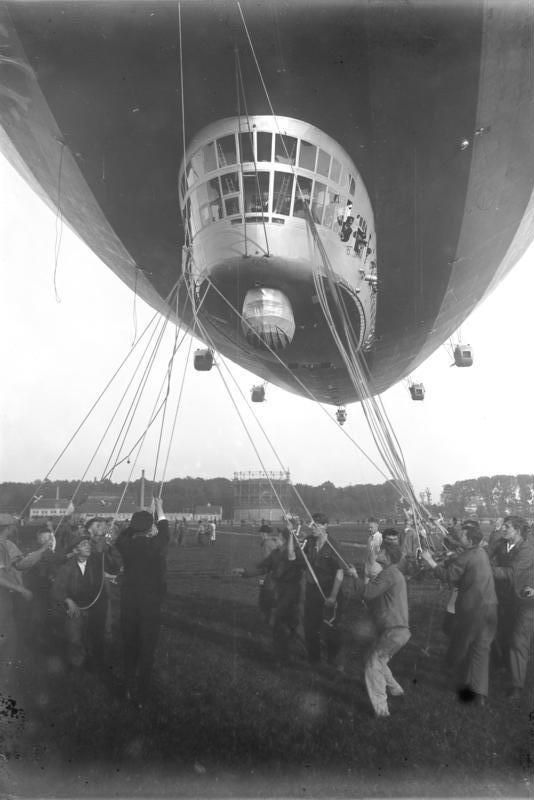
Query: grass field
x=223, y=721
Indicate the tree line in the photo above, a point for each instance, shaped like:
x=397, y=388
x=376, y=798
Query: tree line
x=494, y=496
x=498, y=496
x=184, y=494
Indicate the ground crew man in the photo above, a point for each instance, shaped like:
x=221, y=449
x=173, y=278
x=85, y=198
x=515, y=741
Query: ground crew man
x=388, y=602
x=10, y=585
x=519, y=574
x=143, y=547
x=374, y=543
x=286, y=574
x=501, y=555
x=39, y=580
x=475, y=620
x=323, y=601
x=79, y=590
x=103, y=537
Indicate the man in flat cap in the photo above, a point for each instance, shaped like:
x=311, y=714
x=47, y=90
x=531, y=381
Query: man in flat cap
x=79, y=590
x=103, y=537
x=323, y=601
x=388, y=603
x=143, y=547
x=475, y=613
x=286, y=573
x=517, y=574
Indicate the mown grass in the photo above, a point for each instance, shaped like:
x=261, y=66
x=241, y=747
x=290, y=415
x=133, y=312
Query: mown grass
x=224, y=721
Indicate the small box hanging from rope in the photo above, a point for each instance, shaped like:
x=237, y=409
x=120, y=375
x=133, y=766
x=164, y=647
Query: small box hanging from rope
x=203, y=360
x=417, y=391
x=463, y=355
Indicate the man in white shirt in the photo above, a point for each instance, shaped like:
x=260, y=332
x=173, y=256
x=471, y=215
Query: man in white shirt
x=212, y=531
x=374, y=542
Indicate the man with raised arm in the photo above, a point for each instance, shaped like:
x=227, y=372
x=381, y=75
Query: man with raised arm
x=323, y=602
x=79, y=590
x=10, y=585
x=475, y=613
x=518, y=575
x=387, y=598
x=285, y=572
x=143, y=547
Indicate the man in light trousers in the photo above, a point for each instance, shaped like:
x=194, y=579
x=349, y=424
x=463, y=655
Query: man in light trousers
x=387, y=599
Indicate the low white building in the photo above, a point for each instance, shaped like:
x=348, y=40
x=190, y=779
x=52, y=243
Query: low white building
x=105, y=506
x=177, y=516
x=45, y=508
x=208, y=512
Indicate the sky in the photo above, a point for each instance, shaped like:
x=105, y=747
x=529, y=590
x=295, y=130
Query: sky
x=58, y=353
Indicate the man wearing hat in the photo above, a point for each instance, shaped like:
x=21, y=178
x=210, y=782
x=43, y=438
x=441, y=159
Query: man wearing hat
x=517, y=574
x=103, y=537
x=79, y=591
x=11, y=586
x=266, y=598
x=143, y=548
x=285, y=572
x=387, y=596
x=322, y=597
x=39, y=580
x=475, y=613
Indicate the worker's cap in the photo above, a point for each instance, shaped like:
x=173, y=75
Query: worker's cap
x=470, y=525
x=472, y=530
x=75, y=539
x=141, y=521
x=265, y=528
x=320, y=518
x=93, y=519
x=7, y=519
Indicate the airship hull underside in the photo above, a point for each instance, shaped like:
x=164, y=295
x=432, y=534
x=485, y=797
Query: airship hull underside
x=432, y=102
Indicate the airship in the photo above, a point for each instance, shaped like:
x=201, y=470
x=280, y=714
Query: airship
x=234, y=163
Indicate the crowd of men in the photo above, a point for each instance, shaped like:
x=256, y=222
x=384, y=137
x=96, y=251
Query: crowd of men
x=490, y=611
x=65, y=595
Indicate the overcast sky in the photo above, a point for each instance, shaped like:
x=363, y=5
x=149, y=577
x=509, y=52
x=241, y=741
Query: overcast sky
x=57, y=357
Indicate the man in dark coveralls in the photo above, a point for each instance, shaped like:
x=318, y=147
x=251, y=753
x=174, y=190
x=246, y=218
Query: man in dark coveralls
x=518, y=574
x=322, y=602
x=286, y=573
x=475, y=613
x=143, y=547
x=501, y=555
